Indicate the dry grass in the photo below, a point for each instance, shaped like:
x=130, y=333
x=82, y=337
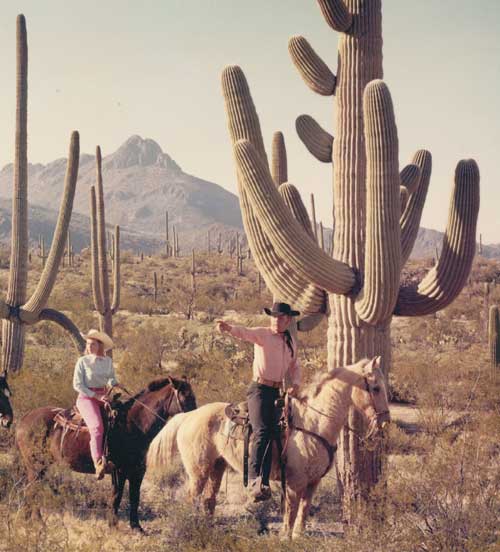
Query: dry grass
x=443, y=479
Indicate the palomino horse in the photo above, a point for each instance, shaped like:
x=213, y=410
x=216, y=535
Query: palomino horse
x=317, y=419
x=42, y=441
x=6, y=414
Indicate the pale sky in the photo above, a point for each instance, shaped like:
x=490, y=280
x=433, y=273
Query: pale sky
x=112, y=68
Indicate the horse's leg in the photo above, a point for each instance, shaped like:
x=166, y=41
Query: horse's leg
x=118, y=486
x=213, y=484
x=304, y=505
x=291, y=506
x=134, y=488
x=196, y=484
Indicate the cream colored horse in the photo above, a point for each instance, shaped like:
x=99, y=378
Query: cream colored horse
x=318, y=415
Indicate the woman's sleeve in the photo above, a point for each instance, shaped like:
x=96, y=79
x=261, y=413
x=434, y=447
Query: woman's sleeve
x=112, y=379
x=79, y=380
x=254, y=335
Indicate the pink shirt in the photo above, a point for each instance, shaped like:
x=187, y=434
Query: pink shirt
x=272, y=357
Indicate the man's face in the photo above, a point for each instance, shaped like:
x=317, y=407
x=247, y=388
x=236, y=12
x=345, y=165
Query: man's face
x=280, y=323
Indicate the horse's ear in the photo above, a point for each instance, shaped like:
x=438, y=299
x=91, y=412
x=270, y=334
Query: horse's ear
x=372, y=365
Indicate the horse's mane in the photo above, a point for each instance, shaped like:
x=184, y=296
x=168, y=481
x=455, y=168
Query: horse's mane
x=154, y=385
x=321, y=378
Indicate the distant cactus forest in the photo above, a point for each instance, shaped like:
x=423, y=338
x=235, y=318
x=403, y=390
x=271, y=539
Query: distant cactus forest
x=431, y=484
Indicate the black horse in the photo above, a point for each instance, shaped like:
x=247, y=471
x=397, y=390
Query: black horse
x=137, y=422
x=6, y=414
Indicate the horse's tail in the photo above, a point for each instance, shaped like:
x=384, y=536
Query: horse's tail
x=163, y=448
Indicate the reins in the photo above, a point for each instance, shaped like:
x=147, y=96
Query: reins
x=174, y=393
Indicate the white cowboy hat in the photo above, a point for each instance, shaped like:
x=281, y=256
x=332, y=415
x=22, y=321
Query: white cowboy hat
x=100, y=336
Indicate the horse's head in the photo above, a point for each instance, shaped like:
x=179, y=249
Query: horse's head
x=369, y=396
x=6, y=414
x=186, y=400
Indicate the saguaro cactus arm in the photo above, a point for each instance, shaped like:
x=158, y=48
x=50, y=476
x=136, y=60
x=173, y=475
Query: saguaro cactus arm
x=284, y=232
x=280, y=277
x=445, y=281
x=312, y=68
x=279, y=165
x=101, y=234
x=377, y=298
x=410, y=177
x=30, y=311
x=336, y=14
x=16, y=294
x=292, y=199
x=315, y=139
x=116, y=272
x=63, y=321
x=94, y=249
x=410, y=219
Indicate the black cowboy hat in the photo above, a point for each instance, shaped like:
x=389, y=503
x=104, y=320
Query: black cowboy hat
x=281, y=308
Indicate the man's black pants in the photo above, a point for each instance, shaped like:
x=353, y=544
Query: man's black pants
x=261, y=411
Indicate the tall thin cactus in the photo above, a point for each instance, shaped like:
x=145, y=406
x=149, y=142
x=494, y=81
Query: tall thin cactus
x=103, y=304
x=373, y=235
x=16, y=312
x=494, y=337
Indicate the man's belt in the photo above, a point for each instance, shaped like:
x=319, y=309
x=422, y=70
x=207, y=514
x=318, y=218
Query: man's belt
x=269, y=383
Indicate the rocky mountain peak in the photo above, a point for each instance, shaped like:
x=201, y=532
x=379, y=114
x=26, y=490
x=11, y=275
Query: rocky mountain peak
x=143, y=152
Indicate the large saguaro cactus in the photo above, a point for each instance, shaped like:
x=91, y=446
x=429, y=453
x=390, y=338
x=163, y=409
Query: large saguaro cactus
x=16, y=312
x=100, y=278
x=373, y=234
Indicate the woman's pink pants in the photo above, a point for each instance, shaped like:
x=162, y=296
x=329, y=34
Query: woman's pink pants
x=89, y=408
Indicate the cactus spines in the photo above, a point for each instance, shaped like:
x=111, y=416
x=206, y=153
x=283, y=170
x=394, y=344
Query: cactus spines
x=313, y=69
x=279, y=161
x=494, y=336
x=315, y=139
x=100, y=277
x=16, y=312
x=373, y=236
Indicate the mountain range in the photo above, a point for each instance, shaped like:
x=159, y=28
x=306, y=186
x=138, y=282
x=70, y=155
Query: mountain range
x=141, y=183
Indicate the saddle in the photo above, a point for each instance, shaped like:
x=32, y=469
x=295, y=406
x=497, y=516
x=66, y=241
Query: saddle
x=71, y=421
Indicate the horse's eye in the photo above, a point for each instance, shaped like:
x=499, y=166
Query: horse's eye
x=376, y=389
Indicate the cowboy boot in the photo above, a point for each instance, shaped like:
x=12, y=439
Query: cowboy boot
x=100, y=468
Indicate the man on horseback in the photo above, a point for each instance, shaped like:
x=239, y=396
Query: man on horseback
x=93, y=375
x=275, y=364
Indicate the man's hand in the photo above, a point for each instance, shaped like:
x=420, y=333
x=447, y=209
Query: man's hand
x=292, y=391
x=222, y=326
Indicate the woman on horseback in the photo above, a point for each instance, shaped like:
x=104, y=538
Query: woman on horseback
x=93, y=375
x=275, y=365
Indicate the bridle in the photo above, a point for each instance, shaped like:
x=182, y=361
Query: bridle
x=175, y=393
x=360, y=437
